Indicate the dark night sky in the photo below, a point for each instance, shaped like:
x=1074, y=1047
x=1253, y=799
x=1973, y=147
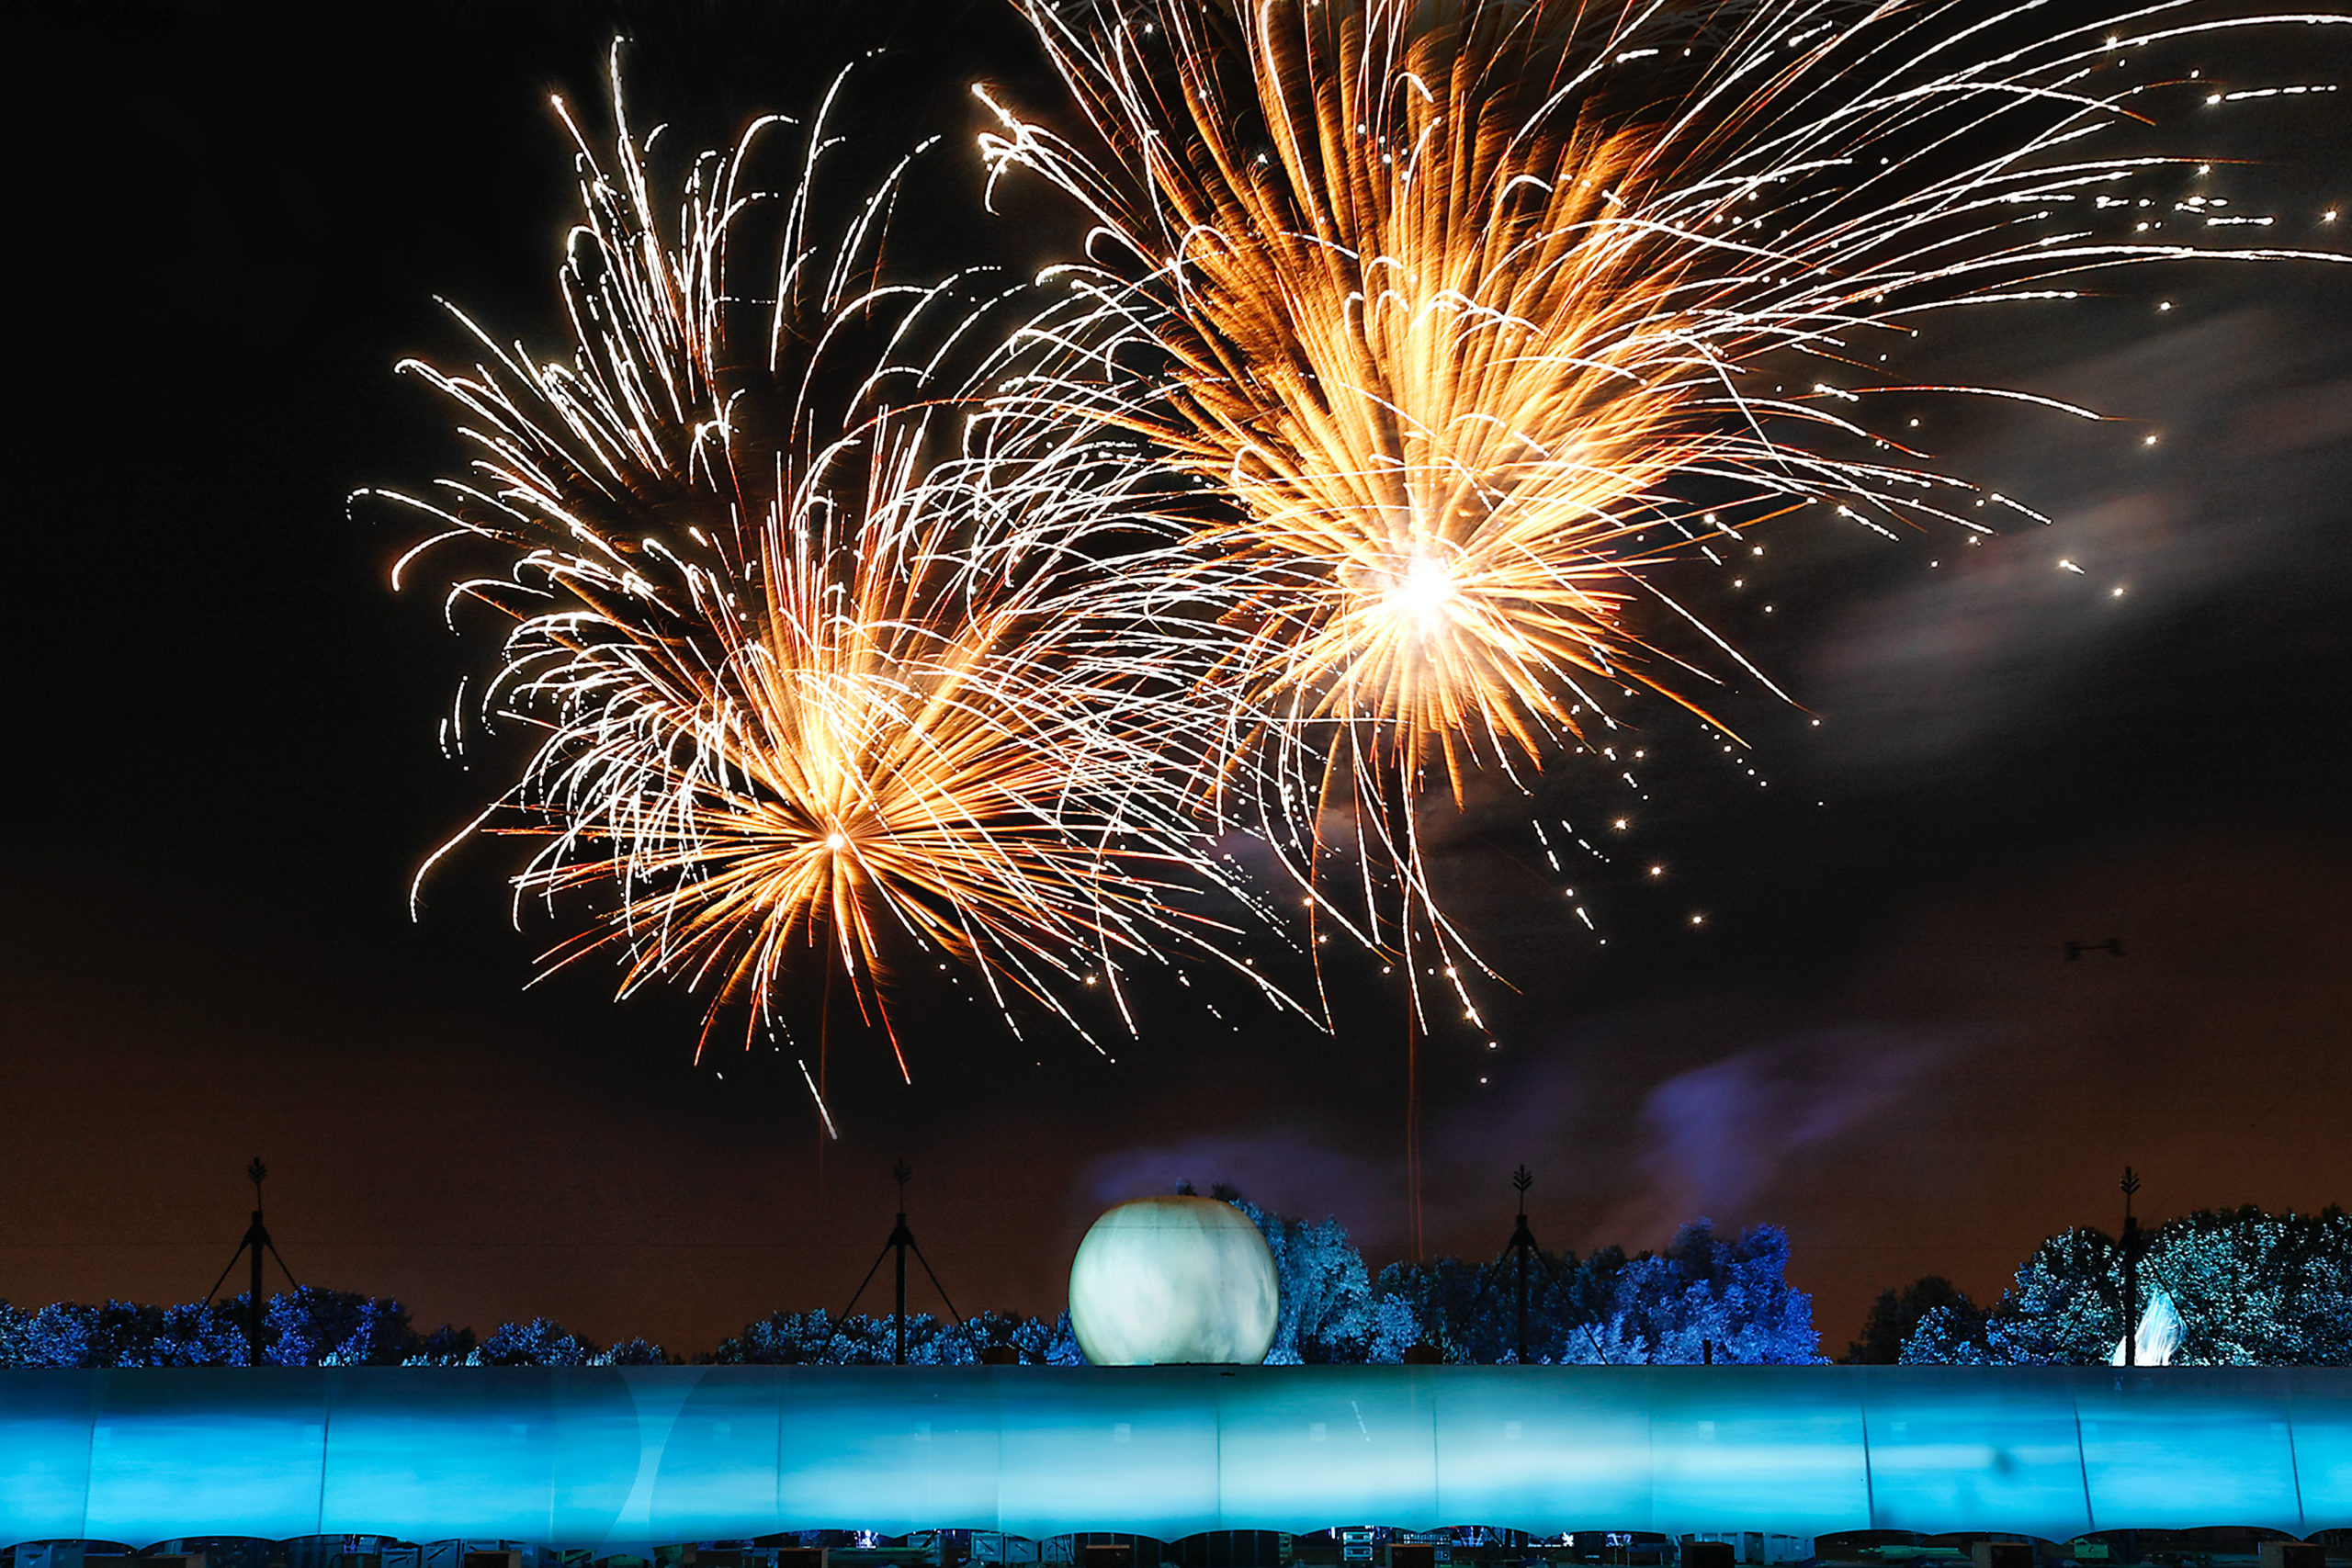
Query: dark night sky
x=232, y=223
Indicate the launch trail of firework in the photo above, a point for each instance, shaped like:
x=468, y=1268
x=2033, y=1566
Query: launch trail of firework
x=781, y=623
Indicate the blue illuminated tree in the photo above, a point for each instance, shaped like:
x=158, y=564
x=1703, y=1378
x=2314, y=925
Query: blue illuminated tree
x=1062, y=1349
x=542, y=1342
x=779, y=1340
x=1706, y=1295
x=1040, y=1341
x=631, y=1352
x=1429, y=1303
x=1395, y=1321
x=315, y=1327
x=1951, y=1334
x=1326, y=1291
x=197, y=1334
x=818, y=1338
x=120, y=1334
x=1710, y=1297
x=2252, y=1289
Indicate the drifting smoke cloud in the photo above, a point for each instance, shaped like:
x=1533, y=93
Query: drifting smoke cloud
x=1723, y=1137
x=2220, y=488
x=1721, y=1140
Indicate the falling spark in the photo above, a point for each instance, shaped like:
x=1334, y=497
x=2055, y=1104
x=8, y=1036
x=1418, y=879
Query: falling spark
x=818, y=1099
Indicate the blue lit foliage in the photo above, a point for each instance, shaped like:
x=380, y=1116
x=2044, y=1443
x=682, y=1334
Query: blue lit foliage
x=1471, y=1310
x=634, y=1352
x=2252, y=1289
x=542, y=1342
x=308, y=1327
x=818, y=1338
x=1708, y=1295
x=120, y=1334
x=1045, y=1341
x=313, y=1327
x=1705, y=1295
x=1325, y=1290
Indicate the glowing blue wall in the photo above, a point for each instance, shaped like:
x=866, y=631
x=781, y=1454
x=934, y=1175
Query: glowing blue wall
x=619, y=1456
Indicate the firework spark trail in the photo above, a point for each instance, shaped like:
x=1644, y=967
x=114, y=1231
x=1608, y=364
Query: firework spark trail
x=783, y=616
x=1469, y=313
x=1476, y=314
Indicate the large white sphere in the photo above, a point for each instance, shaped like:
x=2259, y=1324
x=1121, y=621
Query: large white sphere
x=1162, y=1280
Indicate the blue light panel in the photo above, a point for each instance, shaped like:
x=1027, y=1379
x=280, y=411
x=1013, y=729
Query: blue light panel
x=618, y=1456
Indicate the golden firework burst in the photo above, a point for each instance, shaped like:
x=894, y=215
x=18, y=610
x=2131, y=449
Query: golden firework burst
x=782, y=614
x=1475, y=313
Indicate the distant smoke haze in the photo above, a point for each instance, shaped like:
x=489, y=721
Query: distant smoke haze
x=1718, y=1138
x=2250, y=418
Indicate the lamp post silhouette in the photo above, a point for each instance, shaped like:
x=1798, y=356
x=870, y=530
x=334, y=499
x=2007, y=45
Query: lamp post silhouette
x=1523, y=1249
x=901, y=1242
x=256, y=1240
x=1522, y=1245
x=2134, y=1245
